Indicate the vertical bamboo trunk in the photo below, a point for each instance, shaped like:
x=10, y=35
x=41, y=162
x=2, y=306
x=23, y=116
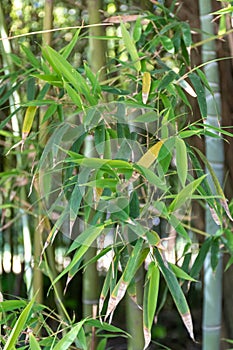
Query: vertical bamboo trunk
x=97, y=51
x=90, y=291
x=134, y=315
x=97, y=48
x=38, y=235
x=215, y=155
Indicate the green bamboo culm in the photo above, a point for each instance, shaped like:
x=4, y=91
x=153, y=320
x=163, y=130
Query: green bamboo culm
x=215, y=155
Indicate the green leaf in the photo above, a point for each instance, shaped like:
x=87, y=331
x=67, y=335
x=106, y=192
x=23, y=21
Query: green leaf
x=19, y=326
x=10, y=305
x=200, y=91
x=83, y=242
x=136, y=258
x=181, y=273
x=187, y=37
x=167, y=79
x=51, y=110
x=176, y=293
x=185, y=194
x=34, y=345
x=181, y=160
x=167, y=43
x=151, y=177
x=69, y=337
x=75, y=97
x=99, y=138
x=30, y=56
x=130, y=46
x=199, y=261
x=150, y=298
x=137, y=31
x=147, y=117
x=63, y=68
x=66, y=51
x=214, y=257
x=218, y=188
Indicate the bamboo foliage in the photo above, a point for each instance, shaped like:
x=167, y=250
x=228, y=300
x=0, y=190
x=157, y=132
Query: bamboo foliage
x=114, y=170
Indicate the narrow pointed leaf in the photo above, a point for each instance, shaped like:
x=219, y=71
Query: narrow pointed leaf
x=34, y=344
x=130, y=46
x=185, y=194
x=28, y=121
x=181, y=273
x=18, y=327
x=69, y=338
x=150, y=298
x=135, y=260
x=83, y=242
x=176, y=293
x=199, y=261
x=151, y=155
x=200, y=91
x=146, y=83
x=181, y=160
x=217, y=185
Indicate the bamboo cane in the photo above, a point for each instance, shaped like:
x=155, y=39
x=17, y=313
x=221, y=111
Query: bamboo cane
x=215, y=155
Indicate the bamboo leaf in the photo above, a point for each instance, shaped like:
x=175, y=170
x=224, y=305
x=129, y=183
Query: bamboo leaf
x=63, y=68
x=214, y=258
x=135, y=260
x=151, y=177
x=199, y=261
x=151, y=155
x=68, y=49
x=75, y=97
x=218, y=188
x=130, y=46
x=167, y=43
x=181, y=273
x=146, y=83
x=19, y=326
x=33, y=342
x=176, y=292
x=69, y=338
x=200, y=91
x=31, y=58
x=187, y=87
x=137, y=31
x=185, y=194
x=181, y=160
x=28, y=121
x=83, y=242
x=150, y=298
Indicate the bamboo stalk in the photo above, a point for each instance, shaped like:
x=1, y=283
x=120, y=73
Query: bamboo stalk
x=134, y=315
x=215, y=155
x=97, y=48
x=97, y=51
x=90, y=289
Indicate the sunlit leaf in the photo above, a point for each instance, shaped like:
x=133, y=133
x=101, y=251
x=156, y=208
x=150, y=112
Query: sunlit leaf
x=28, y=121
x=146, y=83
x=130, y=46
x=181, y=160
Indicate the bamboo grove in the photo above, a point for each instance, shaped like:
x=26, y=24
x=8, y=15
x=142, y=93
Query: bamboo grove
x=99, y=174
